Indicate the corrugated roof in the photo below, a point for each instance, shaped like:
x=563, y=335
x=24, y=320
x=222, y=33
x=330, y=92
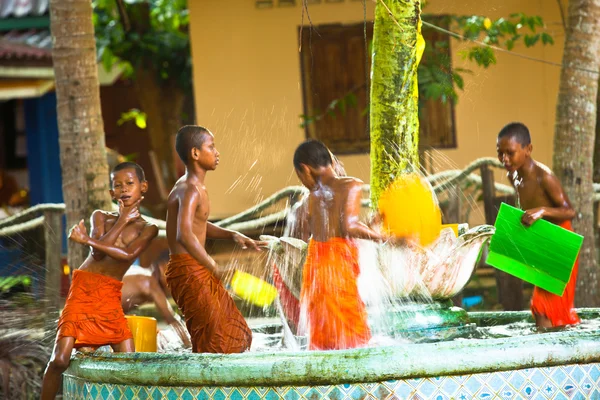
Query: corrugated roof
x=22, y=8
x=24, y=46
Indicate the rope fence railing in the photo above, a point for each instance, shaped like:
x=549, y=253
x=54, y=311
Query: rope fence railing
x=251, y=219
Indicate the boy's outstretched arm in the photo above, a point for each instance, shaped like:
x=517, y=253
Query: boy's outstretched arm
x=163, y=306
x=130, y=253
x=185, y=234
x=216, y=232
x=562, y=210
x=354, y=228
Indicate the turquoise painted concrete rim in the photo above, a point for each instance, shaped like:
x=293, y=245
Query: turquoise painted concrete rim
x=459, y=357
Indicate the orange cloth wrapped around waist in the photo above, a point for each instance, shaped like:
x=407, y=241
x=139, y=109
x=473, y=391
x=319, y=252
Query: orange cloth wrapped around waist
x=331, y=306
x=93, y=314
x=213, y=321
x=558, y=309
x=289, y=302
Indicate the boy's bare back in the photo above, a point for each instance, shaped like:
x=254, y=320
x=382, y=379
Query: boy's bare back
x=187, y=211
x=331, y=205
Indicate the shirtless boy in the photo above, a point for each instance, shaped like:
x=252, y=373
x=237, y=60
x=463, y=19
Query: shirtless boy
x=194, y=278
x=146, y=285
x=331, y=307
x=541, y=195
x=93, y=315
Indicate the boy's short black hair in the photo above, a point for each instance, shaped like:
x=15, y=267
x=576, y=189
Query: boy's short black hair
x=188, y=137
x=312, y=153
x=518, y=131
x=139, y=171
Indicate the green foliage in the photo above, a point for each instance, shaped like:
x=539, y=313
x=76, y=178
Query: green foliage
x=133, y=115
x=158, y=36
x=438, y=80
x=338, y=105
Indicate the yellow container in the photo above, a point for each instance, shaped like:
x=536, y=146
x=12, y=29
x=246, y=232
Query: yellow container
x=453, y=226
x=144, y=333
x=409, y=208
x=253, y=289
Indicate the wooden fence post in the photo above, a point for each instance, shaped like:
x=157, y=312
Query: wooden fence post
x=489, y=192
x=509, y=288
x=53, y=234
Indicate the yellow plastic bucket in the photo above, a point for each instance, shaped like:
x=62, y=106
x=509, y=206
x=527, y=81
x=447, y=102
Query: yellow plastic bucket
x=144, y=333
x=409, y=208
x=253, y=289
x=453, y=226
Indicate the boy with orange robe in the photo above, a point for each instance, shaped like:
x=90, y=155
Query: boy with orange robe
x=93, y=316
x=331, y=306
x=194, y=278
x=541, y=195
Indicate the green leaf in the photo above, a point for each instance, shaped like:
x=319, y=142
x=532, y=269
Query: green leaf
x=351, y=100
x=131, y=157
x=531, y=40
x=547, y=39
x=342, y=105
x=135, y=115
x=108, y=59
x=140, y=120
x=458, y=80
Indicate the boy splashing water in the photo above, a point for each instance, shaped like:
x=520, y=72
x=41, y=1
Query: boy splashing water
x=331, y=307
x=541, y=195
x=194, y=278
x=93, y=315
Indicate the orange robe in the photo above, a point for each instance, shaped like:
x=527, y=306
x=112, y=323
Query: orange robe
x=93, y=314
x=289, y=302
x=213, y=321
x=558, y=309
x=331, y=306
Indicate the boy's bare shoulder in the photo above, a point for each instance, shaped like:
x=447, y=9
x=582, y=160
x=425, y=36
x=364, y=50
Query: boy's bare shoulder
x=182, y=189
x=101, y=216
x=350, y=181
x=543, y=170
x=545, y=175
x=149, y=225
x=150, y=229
x=347, y=184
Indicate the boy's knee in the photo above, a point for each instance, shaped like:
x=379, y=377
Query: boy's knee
x=59, y=362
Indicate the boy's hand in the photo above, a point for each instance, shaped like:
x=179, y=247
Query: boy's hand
x=222, y=273
x=532, y=215
x=78, y=233
x=400, y=240
x=245, y=242
x=129, y=213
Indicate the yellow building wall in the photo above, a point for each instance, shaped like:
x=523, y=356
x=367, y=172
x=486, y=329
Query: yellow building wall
x=248, y=92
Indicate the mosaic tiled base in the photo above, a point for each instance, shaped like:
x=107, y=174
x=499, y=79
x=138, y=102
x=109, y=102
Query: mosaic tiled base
x=562, y=382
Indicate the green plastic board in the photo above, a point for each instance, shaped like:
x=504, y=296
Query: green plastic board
x=543, y=254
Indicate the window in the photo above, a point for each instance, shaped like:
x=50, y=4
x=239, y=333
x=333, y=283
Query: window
x=335, y=73
x=13, y=144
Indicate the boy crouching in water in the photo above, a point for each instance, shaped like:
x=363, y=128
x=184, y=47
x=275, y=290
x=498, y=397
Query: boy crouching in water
x=93, y=316
x=540, y=194
x=331, y=307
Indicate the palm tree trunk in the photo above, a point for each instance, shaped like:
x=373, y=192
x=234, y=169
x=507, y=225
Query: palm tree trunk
x=575, y=133
x=394, y=95
x=163, y=104
x=81, y=129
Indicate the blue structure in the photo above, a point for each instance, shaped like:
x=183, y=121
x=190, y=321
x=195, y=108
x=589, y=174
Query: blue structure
x=43, y=161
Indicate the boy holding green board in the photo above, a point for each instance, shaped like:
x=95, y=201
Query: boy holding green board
x=541, y=196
